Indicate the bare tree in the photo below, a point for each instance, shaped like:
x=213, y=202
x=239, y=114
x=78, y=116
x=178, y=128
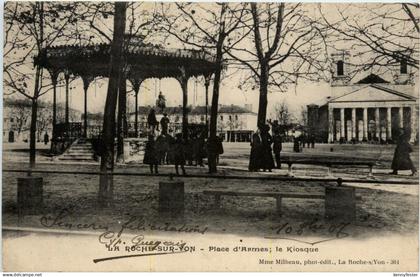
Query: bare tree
x=31, y=27
x=142, y=22
x=287, y=46
x=19, y=110
x=44, y=120
x=380, y=35
x=207, y=27
x=106, y=186
x=282, y=114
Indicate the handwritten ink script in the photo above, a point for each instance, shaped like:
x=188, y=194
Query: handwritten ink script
x=314, y=226
x=135, y=223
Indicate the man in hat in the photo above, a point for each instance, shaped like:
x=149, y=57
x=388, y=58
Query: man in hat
x=277, y=146
x=152, y=122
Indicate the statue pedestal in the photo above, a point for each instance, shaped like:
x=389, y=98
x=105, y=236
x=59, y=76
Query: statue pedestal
x=29, y=194
x=340, y=203
x=171, y=198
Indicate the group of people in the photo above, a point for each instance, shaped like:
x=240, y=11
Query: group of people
x=192, y=150
x=153, y=124
x=166, y=149
x=261, y=150
x=299, y=142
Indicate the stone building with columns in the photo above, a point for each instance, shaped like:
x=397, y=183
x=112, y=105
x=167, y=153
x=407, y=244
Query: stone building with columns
x=370, y=109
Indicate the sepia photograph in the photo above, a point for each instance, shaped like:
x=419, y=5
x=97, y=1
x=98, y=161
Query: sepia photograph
x=210, y=136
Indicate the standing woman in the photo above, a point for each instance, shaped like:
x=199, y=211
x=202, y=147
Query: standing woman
x=277, y=147
x=267, y=161
x=256, y=145
x=150, y=154
x=178, y=152
x=401, y=160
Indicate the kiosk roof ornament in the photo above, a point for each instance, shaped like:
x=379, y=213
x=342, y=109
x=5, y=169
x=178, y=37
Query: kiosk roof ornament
x=143, y=60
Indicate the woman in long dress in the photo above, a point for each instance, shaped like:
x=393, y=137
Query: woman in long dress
x=267, y=162
x=178, y=153
x=256, y=146
x=402, y=160
x=151, y=155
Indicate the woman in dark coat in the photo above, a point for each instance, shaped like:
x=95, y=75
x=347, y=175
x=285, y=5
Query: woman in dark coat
x=151, y=155
x=401, y=160
x=199, y=150
x=277, y=147
x=256, y=146
x=178, y=153
x=267, y=162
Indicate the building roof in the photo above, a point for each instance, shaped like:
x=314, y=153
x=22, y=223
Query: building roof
x=233, y=109
x=144, y=60
x=197, y=110
x=373, y=93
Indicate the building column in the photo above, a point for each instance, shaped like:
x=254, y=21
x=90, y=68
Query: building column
x=66, y=78
x=54, y=77
x=183, y=80
x=389, y=124
x=86, y=82
x=353, y=123
x=413, y=123
x=330, y=124
x=401, y=117
x=136, y=118
x=365, y=124
x=206, y=84
x=135, y=83
x=377, y=124
x=122, y=109
x=342, y=124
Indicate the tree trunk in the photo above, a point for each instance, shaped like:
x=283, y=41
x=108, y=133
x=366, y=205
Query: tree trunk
x=214, y=109
x=54, y=113
x=136, y=120
x=105, y=194
x=32, y=136
x=121, y=118
x=184, y=86
x=262, y=107
x=38, y=76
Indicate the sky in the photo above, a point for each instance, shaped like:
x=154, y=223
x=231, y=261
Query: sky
x=296, y=96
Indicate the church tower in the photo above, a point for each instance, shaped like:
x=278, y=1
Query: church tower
x=340, y=68
x=403, y=73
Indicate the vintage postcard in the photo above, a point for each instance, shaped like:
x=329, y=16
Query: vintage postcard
x=175, y=136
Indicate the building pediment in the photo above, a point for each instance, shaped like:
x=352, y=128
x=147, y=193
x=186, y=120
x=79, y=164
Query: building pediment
x=372, y=79
x=373, y=93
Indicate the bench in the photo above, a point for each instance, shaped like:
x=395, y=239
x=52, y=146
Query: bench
x=328, y=164
x=277, y=195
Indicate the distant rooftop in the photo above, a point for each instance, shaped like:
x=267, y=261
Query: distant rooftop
x=195, y=110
